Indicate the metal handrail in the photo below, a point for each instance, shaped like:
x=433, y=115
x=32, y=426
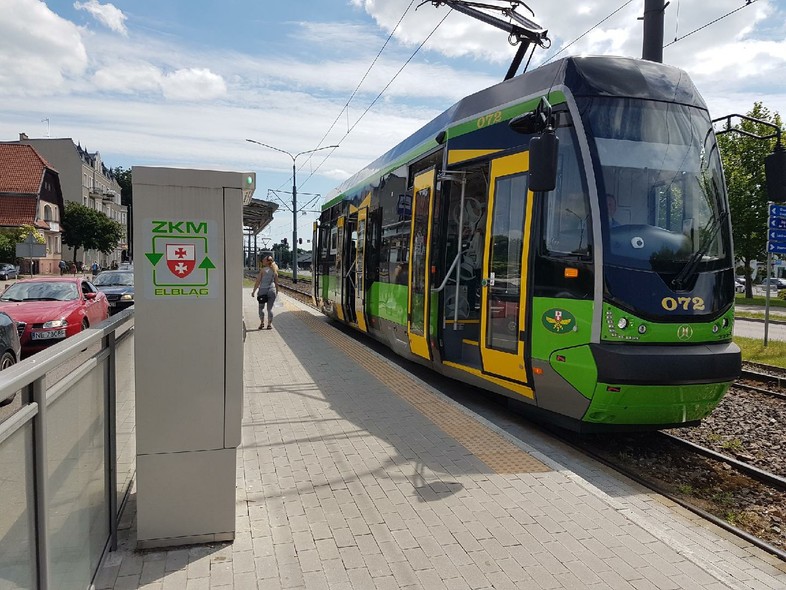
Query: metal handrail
x=447, y=274
x=22, y=374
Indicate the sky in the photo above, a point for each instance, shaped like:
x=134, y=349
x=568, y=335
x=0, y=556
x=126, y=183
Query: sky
x=184, y=83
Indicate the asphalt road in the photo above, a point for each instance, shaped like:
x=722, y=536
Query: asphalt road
x=776, y=330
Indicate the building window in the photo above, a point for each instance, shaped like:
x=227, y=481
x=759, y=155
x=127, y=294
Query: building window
x=47, y=213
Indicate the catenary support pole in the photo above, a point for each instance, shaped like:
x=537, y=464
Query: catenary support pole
x=652, y=46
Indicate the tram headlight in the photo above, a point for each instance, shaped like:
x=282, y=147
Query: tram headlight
x=725, y=322
x=622, y=323
x=642, y=329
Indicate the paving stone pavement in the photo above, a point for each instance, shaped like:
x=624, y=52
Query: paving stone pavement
x=353, y=475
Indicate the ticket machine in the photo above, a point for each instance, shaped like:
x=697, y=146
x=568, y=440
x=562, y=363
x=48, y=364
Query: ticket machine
x=188, y=273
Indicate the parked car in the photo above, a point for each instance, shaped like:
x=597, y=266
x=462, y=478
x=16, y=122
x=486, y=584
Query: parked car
x=48, y=310
x=739, y=285
x=777, y=283
x=8, y=271
x=118, y=286
x=11, y=349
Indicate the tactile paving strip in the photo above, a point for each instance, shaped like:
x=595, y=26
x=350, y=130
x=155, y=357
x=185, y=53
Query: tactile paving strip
x=499, y=454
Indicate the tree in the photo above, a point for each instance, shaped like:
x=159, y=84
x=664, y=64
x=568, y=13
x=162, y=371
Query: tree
x=282, y=254
x=86, y=228
x=10, y=237
x=743, y=165
x=123, y=176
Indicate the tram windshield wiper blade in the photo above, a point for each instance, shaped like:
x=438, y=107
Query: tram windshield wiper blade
x=712, y=230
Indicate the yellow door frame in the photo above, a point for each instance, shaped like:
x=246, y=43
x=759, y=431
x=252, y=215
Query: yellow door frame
x=507, y=365
x=419, y=344
x=360, y=272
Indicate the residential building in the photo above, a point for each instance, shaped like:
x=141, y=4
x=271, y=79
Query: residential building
x=85, y=179
x=30, y=194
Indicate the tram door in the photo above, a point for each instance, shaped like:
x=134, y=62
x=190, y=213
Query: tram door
x=419, y=263
x=356, y=274
x=504, y=280
x=338, y=289
x=348, y=281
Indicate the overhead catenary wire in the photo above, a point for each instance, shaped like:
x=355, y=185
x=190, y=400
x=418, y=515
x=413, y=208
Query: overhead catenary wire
x=712, y=22
x=373, y=102
x=588, y=31
x=362, y=79
x=354, y=92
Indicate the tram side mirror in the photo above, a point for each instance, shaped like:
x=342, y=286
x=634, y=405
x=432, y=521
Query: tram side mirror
x=543, y=151
x=775, y=172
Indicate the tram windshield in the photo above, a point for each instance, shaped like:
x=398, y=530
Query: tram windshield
x=659, y=175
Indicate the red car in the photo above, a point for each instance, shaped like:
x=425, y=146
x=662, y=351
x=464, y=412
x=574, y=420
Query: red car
x=48, y=310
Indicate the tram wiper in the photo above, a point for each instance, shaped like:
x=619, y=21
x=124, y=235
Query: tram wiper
x=678, y=282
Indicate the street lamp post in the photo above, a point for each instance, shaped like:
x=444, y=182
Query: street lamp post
x=294, y=194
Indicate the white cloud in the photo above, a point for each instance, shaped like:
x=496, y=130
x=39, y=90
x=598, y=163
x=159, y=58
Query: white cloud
x=129, y=78
x=193, y=84
x=39, y=51
x=107, y=14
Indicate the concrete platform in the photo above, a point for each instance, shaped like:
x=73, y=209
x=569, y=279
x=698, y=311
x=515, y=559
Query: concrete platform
x=353, y=474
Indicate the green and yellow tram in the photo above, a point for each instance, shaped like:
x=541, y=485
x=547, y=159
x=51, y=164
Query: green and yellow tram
x=604, y=303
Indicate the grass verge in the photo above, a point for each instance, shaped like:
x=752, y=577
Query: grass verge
x=753, y=350
x=774, y=301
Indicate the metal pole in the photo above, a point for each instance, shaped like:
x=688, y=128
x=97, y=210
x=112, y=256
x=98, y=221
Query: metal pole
x=652, y=45
x=294, y=222
x=769, y=285
x=110, y=402
x=460, y=246
x=294, y=194
x=41, y=490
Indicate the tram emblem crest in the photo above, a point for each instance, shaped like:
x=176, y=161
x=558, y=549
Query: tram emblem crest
x=559, y=321
x=684, y=332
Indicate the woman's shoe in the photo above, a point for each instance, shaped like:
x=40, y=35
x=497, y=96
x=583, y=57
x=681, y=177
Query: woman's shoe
x=270, y=326
x=261, y=326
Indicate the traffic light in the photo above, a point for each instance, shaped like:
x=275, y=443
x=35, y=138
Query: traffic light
x=284, y=241
x=775, y=173
x=300, y=240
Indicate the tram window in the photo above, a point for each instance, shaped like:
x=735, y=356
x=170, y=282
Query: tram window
x=333, y=239
x=669, y=207
x=394, y=253
x=567, y=219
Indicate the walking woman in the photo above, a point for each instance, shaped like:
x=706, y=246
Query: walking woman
x=267, y=286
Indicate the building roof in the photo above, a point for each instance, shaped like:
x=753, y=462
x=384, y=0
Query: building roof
x=258, y=214
x=21, y=169
x=16, y=210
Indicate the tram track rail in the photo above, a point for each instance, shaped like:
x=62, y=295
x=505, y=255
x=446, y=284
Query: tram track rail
x=760, y=475
x=640, y=477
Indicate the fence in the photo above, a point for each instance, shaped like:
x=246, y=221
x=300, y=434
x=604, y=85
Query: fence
x=67, y=457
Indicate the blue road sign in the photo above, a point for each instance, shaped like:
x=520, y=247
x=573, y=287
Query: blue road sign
x=777, y=247
x=778, y=223
x=777, y=235
x=777, y=211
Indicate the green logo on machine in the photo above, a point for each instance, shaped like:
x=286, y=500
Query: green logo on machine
x=183, y=247
x=559, y=321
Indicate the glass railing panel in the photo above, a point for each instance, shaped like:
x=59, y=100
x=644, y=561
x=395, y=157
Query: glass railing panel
x=78, y=511
x=17, y=511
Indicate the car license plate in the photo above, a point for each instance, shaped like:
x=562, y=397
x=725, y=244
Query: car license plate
x=48, y=335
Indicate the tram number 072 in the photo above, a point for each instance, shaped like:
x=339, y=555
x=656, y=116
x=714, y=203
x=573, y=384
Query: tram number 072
x=686, y=303
x=489, y=119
